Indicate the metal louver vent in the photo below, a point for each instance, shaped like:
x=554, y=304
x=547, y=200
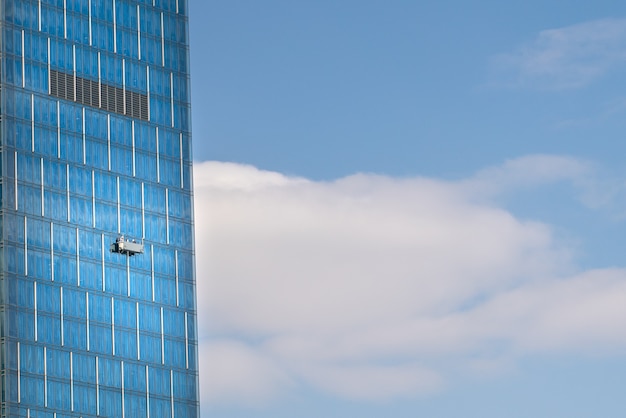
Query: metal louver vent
x=100, y=95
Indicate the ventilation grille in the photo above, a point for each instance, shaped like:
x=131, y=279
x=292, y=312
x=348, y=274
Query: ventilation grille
x=95, y=94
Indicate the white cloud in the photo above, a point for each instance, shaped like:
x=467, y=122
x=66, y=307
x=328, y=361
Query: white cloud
x=567, y=57
x=374, y=287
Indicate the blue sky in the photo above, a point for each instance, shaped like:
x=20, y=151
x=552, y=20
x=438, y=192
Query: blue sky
x=410, y=208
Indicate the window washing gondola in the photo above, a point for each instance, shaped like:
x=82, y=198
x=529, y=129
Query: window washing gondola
x=126, y=247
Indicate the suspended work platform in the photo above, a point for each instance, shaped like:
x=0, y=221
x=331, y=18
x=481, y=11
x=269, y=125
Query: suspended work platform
x=126, y=247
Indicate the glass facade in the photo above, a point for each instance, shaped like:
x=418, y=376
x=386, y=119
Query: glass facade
x=96, y=148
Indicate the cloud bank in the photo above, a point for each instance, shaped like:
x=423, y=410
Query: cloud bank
x=564, y=58
x=371, y=287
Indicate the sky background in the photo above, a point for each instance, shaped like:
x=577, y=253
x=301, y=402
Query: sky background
x=410, y=208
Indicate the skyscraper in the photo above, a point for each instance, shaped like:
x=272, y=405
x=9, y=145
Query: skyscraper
x=97, y=299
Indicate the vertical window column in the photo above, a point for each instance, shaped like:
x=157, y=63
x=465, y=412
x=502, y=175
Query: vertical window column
x=124, y=85
x=90, y=24
x=158, y=168
x=172, y=97
x=87, y=315
x=172, y=392
x=65, y=21
x=45, y=377
x=182, y=162
x=132, y=126
x=59, y=131
x=143, y=212
x=77, y=257
x=186, y=340
x=152, y=269
x=109, y=141
x=19, y=374
x=26, y=261
x=67, y=191
x=148, y=88
x=119, y=209
x=97, y=385
x=128, y=276
x=167, y=216
x=35, y=295
x=114, y=28
x=176, y=276
x=147, y=391
x=49, y=58
x=43, y=200
x=72, y=381
x=103, y=265
x=84, y=134
x=32, y=123
x=162, y=339
x=162, y=41
x=93, y=196
x=123, y=400
x=74, y=71
x=15, y=176
x=62, y=319
x=52, y=265
x=138, y=32
x=113, y=323
x=23, y=61
x=138, y=342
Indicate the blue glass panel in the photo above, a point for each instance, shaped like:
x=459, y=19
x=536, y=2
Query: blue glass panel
x=65, y=270
x=90, y=245
x=58, y=364
x=116, y=280
x=85, y=399
x=150, y=348
x=75, y=334
x=28, y=168
x=111, y=403
x=80, y=181
x=99, y=308
x=32, y=390
x=14, y=227
x=175, y=353
x=160, y=407
x=100, y=338
x=105, y=187
x=51, y=20
x=74, y=303
x=149, y=318
x=55, y=205
x=59, y=395
x=136, y=405
x=31, y=359
x=55, y=174
x=110, y=373
x=91, y=275
x=48, y=298
x=125, y=313
x=135, y=377
x=165, y=291
x=46, y=111
x=96, y=154
x=39, y=265
x=80, y=211
x=49, y=329
x=125, y=343
x=141, y=285
x=84, y=368
x=122, y=160
x=46, y=141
